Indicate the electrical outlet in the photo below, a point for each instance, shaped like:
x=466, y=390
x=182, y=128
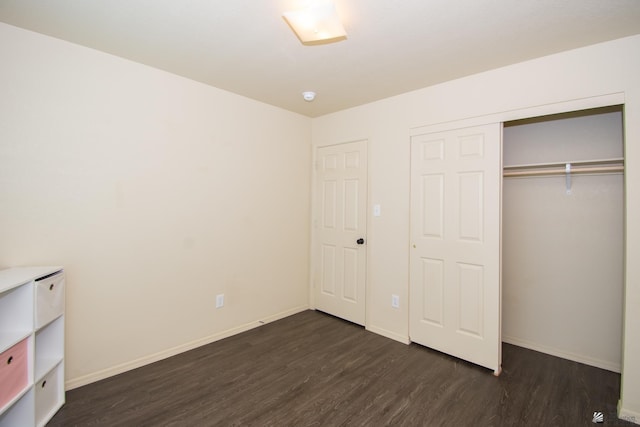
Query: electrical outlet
x=395, y=301
x=219, y=300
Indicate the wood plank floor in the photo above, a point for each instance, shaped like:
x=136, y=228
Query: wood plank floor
x=312, y=369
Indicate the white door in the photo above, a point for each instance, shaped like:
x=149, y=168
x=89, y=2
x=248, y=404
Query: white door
x=455, y=243
x=340, y=230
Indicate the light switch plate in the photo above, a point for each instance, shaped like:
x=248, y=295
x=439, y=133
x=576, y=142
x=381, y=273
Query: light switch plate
x=395, y=301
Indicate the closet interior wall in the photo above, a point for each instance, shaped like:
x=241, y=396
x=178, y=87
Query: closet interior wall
x=562, y=240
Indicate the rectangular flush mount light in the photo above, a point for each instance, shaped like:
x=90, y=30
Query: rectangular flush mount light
x=318, y=23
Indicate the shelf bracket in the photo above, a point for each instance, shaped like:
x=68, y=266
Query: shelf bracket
x=567, y=171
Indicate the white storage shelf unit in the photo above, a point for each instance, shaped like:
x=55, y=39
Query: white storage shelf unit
x=31, y=345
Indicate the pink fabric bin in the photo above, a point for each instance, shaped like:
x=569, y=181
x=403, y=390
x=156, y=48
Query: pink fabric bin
x=13, y=372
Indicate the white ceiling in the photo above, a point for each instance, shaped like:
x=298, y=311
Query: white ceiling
x=393, y=46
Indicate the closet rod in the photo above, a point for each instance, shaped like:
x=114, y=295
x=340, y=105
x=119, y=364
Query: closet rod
x=562, y=171
x=594, y=162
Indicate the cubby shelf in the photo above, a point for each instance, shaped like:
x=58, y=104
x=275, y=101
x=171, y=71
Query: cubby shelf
x=31, y=345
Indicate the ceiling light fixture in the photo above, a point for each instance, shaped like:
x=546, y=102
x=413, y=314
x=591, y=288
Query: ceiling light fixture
x=316, y=24
x=309, y=96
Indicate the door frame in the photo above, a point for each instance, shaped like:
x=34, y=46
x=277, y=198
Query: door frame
x=313, y=255
x=605, y=100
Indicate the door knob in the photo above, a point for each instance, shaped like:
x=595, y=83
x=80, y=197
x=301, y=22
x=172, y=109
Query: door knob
x=360, y=241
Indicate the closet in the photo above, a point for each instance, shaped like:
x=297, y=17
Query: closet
x=563, y=235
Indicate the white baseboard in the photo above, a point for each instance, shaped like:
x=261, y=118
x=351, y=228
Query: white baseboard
x=133, y=364
x=598, y=363
x=627, y=415
x=388, y=334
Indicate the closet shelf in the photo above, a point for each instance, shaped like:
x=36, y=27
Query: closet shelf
x=578, y=167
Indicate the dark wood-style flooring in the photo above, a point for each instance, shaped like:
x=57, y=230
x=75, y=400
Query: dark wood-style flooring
x=312, y=369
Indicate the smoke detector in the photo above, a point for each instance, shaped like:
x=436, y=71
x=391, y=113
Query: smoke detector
x=309, y=96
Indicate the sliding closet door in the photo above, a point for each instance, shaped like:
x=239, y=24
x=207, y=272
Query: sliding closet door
x=455, y=243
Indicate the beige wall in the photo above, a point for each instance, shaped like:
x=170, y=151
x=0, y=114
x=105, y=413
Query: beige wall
x=562, y=254
x=594, y=71
x=156, y=193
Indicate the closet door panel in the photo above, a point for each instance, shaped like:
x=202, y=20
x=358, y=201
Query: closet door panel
x=432, y=206
x=455, y=239
x=432, y=290
x=471, y=209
